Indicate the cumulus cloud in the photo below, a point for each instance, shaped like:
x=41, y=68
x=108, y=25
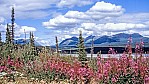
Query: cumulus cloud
x=31, y=8
x=76, y=15
x=132, y=18
x=101, y=19
x=72, y=3
x=27, y=29
x=143, y=33
x=74, y=18
x=43, y=42
x=2, y=20
x=113, y=27
x=60, y=22
x=2, y=28
x=102, y=10
x=106, y=7
x=20, y=30
x=36, y=8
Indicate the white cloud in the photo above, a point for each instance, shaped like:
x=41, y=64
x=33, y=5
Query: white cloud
x=59, y=22
x=19, y=30
x=132, y=18
x=113, y=27
x=43, y=42
x=2, y=28
x=36, y=8
x=101, y=19
x=55, y=14
x=102, y=10
x=106, y=7
x=76, y=15
x=26, y=29
x=74, y=18
x=88, y=26
x=2, y=20
x=143, y=33
x=72, y=3
x=29, y=8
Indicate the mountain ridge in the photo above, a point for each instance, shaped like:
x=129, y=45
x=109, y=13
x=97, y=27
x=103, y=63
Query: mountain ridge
x=120, y=39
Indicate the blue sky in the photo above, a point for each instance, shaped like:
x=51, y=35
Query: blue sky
x=64, y=18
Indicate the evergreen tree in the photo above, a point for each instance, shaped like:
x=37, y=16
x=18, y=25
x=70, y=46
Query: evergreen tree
x=32, y=44
x=57, y=46
x=0, y=38
x=12, y=24
x=8, y=37
x=82, y=52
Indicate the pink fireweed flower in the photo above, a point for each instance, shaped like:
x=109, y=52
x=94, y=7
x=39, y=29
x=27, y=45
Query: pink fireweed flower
x=135, y=68
x=141, y=43
x=137, y=48
x=71, y=72
x=111, y=51
x=114, y=79
x=99, y=75
x=130, y=39
x=146, y=80
x=3, y=68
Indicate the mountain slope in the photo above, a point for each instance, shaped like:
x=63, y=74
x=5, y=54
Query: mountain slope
x=120, y=39
x=22, y=42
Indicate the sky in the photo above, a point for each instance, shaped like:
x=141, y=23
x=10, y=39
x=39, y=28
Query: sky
x=65, y=18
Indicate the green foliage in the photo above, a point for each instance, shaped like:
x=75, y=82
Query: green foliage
x=6, y=50
x=82, y=52
x=12, y=25
x=8, y=36
x=26, y=53
x=32, y=44
x=0, y=39
x=130, y=78
x=57, y=46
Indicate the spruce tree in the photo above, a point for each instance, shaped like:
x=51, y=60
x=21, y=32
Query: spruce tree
x=82, y=52
x=12, y=25
x=57, y=46
x=0, y=39
x=8, y=37
x=32, y=44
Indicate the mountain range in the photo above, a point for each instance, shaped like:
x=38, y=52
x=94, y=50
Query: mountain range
x=120, y=39
x=22, y=42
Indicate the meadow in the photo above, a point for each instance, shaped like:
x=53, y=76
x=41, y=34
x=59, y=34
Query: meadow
x=24, y=65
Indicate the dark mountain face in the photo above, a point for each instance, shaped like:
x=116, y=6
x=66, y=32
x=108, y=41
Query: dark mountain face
x=117, y=39
x=89, y=37
x=136, y=35
x=123, y=35
x=104, y=39
x=69, y=41
x=22, y=42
